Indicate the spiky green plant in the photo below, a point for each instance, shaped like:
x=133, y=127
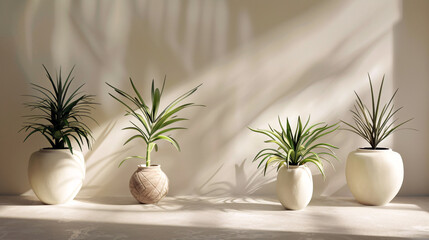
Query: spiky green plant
x=151, y=126
x=60, y=113
x=375, y=124
x=296, y=147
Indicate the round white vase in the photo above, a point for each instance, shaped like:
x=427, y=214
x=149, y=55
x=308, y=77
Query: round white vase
x=374, y=176
x=56, y=176
x=294, y=186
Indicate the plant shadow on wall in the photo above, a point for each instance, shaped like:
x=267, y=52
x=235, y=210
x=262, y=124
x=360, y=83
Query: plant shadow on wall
x=97, y=154
x=243, y=184
x=322, y=75
x=180, y=38
x=238, y=83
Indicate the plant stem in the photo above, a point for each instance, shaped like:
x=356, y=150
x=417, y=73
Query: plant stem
x=147, y=156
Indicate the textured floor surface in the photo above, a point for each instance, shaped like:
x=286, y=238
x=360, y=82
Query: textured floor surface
x=211, y=218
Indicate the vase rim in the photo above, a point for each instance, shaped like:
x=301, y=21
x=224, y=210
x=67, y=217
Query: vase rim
x=57, y=149
x=379, y=149
x=295, y=166
x=151, y=166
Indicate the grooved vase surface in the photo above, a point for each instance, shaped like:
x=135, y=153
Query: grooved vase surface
x=149, y=184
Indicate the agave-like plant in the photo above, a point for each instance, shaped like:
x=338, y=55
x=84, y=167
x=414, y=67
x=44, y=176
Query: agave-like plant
x=152, y=126
x=297, y=147
x=376, y=124
x=60, y=113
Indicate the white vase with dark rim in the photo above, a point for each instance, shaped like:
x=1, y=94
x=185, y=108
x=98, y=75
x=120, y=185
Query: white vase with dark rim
x=56, y=175
x=374, y=176
x=294, y=186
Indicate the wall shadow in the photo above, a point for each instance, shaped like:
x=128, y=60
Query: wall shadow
x=256, y=61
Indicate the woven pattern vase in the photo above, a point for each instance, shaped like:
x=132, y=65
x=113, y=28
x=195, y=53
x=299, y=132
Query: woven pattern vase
x=149, y=184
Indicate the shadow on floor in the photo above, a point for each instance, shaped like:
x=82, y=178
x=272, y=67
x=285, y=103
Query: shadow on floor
x=128, y=200
x=20, y=201
x=12, y=228
x=334, y=202
x=185, y=204
x=407, y=204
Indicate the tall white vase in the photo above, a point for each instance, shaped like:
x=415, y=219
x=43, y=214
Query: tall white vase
x=56, y=176
x=294, y=186
x=374, y=176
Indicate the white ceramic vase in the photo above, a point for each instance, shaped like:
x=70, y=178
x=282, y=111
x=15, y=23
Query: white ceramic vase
x=374, y=176
x=55, y=175
x=294, y=186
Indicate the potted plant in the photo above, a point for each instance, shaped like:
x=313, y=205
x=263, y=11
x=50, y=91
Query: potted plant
x=374, y=174
x=149, y=184
x=294, y=149
x=56, y=173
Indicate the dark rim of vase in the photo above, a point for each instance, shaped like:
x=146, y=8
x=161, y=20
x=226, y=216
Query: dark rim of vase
x=379, y=148
x=49, y=148
x=152, y=165
x=54, y=148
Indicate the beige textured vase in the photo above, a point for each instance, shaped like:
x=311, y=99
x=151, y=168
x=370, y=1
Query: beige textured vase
x=149, y=184
x=56, y=175
x=374, y=176
x=294, y=186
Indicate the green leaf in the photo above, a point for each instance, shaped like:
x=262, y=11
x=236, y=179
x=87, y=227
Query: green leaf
x=69, y=146
x=59, y=114
x=315, y=162
x=137, y=93
x=154, y=124
x=129, y=158
x=373, y=125
x=156, y=102
x=178, y=100
x=167, y=130
x=136, y=136
x=269, y=161
x=296, y=147
x=170, y=140
x=160, y=122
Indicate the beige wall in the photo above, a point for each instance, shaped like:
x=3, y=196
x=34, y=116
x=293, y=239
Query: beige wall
x=256, y=59
x=411, y=75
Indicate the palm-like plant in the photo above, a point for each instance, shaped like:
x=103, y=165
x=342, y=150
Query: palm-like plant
x=376, y=124
x=60, y=113
x=152, y=126
x=296, y=147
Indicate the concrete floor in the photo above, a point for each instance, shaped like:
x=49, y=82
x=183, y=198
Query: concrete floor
x=211, y=218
